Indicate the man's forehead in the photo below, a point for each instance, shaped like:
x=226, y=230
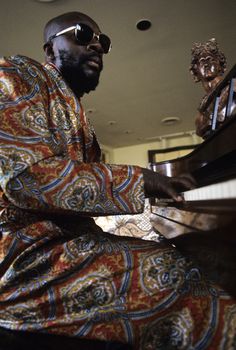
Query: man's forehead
x=66, y=20
x=80, y=19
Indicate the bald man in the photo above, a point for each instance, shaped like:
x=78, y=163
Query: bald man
x=60, y=273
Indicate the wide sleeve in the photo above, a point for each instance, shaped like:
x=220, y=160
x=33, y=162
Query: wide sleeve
x=36, y=171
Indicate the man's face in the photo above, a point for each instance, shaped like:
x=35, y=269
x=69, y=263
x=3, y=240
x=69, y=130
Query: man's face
x=208, y=68
x=80, y=65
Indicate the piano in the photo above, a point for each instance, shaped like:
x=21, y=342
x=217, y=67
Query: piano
x=203, y=227
x=212, y=205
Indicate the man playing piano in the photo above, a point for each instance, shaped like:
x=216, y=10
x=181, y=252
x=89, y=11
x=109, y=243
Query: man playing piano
x=60, y=273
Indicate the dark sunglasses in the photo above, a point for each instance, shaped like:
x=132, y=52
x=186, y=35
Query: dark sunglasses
x=84, y=35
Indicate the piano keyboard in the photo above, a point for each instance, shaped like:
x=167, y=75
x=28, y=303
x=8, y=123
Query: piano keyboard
x=221, y=190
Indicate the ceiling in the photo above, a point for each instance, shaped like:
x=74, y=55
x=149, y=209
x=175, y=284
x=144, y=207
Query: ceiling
x=146, y=76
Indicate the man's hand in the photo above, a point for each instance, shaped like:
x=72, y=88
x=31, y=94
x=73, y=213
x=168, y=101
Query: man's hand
x=157, y=185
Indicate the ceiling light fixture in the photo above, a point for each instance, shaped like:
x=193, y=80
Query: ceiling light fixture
x=143, y=24
x=170, y=120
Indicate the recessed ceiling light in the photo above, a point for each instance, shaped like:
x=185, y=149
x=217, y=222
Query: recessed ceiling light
x=170, y=120
x=143, y=24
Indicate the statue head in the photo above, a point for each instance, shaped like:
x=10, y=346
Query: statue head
x=207, y=53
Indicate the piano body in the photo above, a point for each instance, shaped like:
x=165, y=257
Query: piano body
x=213, y=203
x=203, y=227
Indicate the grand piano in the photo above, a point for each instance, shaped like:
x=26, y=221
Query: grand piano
x=203, y=226
x=212, y=204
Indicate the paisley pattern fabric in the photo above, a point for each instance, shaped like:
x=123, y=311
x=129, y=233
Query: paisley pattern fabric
x=60, y=273
x=49, y=147
x=138, y=226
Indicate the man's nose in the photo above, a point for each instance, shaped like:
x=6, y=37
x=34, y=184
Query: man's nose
x=95, y=45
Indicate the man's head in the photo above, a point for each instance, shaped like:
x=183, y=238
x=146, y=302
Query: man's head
x=207, y=61
x=75, y=45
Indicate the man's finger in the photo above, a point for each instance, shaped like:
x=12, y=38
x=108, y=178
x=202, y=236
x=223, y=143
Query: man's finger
x=174, y=194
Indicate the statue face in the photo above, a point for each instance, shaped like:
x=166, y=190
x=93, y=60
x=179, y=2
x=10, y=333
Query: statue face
x=208, y=68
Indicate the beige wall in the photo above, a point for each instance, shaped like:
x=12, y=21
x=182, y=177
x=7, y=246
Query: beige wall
x=138, y=154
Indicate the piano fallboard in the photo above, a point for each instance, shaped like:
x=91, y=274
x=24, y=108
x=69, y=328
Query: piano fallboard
x=212, y=161
x=212, y=204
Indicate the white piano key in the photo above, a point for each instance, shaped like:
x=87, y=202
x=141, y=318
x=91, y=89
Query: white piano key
x=222, y=190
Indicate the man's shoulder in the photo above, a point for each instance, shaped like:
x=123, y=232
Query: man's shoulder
x=19, y=61
x=24, y=67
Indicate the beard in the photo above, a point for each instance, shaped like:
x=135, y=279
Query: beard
x=80, y=79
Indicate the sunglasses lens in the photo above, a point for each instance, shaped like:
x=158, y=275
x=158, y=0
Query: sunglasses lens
x=84, y=34
x=105, y=42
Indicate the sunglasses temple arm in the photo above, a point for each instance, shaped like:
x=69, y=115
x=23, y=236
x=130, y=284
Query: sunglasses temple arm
x=65, y=31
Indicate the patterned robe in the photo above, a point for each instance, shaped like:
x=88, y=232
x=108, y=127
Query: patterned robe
x=59, y=271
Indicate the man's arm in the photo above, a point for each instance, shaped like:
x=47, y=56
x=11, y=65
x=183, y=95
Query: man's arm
x=36, y=171
x=41, y=169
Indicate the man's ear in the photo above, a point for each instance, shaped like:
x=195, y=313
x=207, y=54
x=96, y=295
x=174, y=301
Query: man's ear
x=49, y=52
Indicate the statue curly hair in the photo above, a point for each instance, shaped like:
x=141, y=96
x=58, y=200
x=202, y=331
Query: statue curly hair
x=211, y=48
